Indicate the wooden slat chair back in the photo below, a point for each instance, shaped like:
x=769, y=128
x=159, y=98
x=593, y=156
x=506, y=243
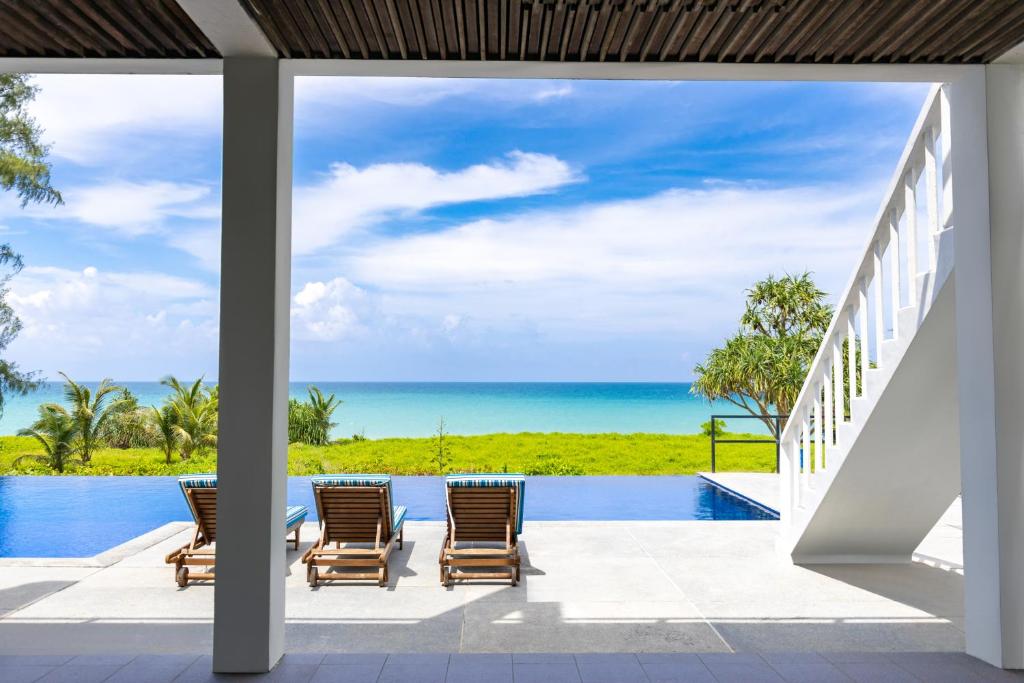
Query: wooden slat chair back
x=354, y=511
x=200, y=492
x=486, y=511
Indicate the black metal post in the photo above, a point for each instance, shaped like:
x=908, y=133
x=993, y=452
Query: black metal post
x=778, y=444
x=712, y=443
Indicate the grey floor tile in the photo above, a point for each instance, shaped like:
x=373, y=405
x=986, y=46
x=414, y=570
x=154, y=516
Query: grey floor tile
x=542, y=658
x=470, y=668
x=415, y=668
x=804, y=667
x=935, y=666
x=101, y=660
x=675, y=668
x=153, y=669
x=740, y=669
x=986, y=671
x=550, y=672
x=34, y=660
x=347, y=673
x=370, y=659
x=80, y=673
x=23, y=673
x=876, y=672
x=610, y=668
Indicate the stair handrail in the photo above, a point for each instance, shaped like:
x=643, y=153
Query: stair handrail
x=919, y=156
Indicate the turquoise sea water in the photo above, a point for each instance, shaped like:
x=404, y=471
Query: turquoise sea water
x=386, y=409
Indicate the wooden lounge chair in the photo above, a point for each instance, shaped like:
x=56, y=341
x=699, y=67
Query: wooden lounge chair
x=486, y=511
x=354, y=510
x=200, y=490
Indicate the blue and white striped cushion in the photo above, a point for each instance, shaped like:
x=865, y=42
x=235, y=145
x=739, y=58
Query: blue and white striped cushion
x=294, y=514
x=397, y=517
x=517, y=481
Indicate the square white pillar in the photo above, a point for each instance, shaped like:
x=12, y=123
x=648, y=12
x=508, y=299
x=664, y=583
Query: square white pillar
x=986, y=110
x=254, y=344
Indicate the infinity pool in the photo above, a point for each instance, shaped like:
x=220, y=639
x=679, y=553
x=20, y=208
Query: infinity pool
x=83, y=516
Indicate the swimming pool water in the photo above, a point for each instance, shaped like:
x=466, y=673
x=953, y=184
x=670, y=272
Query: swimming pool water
x=83, y=516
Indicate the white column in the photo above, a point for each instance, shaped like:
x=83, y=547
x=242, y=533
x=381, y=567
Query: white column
x=982, y=149
x=253, y=439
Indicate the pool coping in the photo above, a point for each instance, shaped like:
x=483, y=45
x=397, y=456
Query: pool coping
x=107, y=557
x=737, y=494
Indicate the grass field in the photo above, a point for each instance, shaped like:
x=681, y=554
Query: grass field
x=532, y=453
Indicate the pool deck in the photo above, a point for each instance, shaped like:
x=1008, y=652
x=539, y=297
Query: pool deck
x=692, y=587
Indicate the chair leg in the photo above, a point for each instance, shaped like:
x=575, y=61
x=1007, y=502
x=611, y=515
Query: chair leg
x=297, y=530
x=401, y=537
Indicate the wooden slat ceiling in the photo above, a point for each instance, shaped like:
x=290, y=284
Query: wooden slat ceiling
x=99, y=28
x=802, y=31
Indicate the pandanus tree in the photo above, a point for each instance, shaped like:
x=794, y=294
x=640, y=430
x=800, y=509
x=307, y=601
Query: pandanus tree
x=56, y=431
x=310, y=421
x=762, y=367
x=90, y=410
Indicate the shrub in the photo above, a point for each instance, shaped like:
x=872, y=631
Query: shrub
x=127, y=425
x=553, y=466
x=705, y=428
x=309, y=421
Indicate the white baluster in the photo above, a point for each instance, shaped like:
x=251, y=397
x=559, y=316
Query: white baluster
x=932, y=191
x=851, y=353
x=819, y=430
x=894, y=261
x=837, y=378
x=947, y=155
x=804, y=423
x=788, y=504
x=879, y=311
x=863, y=335
x=829, y=416
x=910, y=211
x=794, y=470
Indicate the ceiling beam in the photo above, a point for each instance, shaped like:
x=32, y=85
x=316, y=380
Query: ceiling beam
x=229, y=27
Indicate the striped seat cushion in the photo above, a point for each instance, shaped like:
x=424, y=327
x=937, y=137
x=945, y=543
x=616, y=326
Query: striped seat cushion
x=294, y=514
x=397, y=517
x=516, y=481
x=398, y=511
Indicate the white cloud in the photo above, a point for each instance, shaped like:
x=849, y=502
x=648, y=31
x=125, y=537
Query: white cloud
x=203, y=244
x=85, y=116
x=677, y=260
x=328, y=311
x=133, y=208
x=350, y=198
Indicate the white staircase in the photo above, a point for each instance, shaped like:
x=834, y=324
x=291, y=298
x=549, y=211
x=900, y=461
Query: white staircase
x=870, y=455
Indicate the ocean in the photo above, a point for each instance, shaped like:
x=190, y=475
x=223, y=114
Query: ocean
x=413, y=409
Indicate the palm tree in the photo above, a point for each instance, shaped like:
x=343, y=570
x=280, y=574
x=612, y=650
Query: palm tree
x=90, y=411
x=322, y=410
x=165, y=430
x=194, y=415
x=56, y=431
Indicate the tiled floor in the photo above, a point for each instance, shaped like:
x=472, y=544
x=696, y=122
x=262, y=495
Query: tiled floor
x=799, y=667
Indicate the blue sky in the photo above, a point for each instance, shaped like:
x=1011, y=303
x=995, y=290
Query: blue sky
x=451, y=229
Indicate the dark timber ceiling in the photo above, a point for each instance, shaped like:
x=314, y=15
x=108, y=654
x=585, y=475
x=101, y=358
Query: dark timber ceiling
x=99, y=28
x=844, y=31
x=747, y=31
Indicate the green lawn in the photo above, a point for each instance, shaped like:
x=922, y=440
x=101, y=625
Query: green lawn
x=532, y=453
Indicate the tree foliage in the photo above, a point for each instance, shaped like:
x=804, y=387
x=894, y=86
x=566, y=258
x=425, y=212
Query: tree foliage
x=90, y=411
x=56, y=430
x=193, y=408
x=309, y=421
x=23, y=165
x=761, y=368
x=23, y=169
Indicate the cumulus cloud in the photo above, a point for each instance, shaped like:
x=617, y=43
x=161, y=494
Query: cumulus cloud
x=350, y=198
x=328, y=311
x=82, y=320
